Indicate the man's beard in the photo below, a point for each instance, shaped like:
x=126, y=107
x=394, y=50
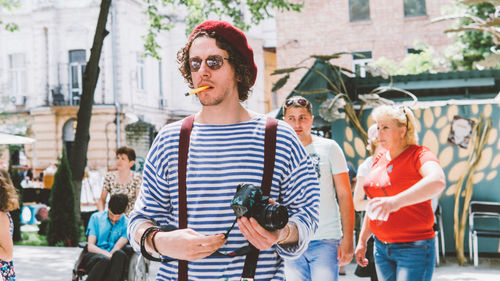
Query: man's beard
x=211, y=100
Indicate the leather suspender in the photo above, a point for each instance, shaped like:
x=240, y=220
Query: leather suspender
x=267, y=178
x=184, y=137
x=269, y=155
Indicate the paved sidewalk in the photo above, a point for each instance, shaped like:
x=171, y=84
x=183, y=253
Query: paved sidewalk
x=50, y=263
x=488, y=270
x=44, y=263
x=56, y=263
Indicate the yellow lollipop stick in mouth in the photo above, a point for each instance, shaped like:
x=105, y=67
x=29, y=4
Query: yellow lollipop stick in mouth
x=197, y=90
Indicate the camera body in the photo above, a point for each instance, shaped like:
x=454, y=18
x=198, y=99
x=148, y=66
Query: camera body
x=249, y=202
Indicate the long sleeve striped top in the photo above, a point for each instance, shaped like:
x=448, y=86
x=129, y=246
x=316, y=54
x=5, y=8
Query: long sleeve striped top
x=221, y=157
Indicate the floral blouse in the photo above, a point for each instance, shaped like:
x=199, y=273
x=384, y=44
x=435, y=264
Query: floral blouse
x=113, y=187
x=7, y=267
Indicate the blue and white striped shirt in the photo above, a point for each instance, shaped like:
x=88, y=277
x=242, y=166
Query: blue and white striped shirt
x=221, y=157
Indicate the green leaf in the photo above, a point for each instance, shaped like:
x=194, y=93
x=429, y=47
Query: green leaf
x=11, y=27
x=163, y=14
x=473, y=2
x=280, y=83
x=286, y=70
x=330, y=57
x=312, y=92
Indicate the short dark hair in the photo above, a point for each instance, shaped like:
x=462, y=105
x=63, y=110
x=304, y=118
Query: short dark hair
x=130, y=152
x=241, y=67
x=297, y=101
x=118, y=203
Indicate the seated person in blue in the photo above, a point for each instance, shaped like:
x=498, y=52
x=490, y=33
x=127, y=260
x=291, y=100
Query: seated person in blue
x=107, y=234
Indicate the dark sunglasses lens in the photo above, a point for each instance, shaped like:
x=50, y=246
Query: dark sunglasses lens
x=195, y=64
x=302, y=102
x=214, y=62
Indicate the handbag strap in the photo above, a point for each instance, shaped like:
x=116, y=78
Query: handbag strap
x=267, y=178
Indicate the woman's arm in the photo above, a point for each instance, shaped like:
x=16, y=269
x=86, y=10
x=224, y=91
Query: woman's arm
x=359, y=195
x=431, y=184
x=102, y=200
x=6, y=245
x=360, y=251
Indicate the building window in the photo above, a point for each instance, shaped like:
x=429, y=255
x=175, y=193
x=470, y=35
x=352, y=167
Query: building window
x=77, y=62
x=359, y=61
x=140, y=73
x=68, y=135
x=359, y=10
x=414, y=8
x=17, y=77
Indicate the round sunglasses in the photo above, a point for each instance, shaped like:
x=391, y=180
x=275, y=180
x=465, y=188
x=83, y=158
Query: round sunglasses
x=213, y=62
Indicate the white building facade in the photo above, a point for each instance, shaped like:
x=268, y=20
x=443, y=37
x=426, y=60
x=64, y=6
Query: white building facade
x=42, y=66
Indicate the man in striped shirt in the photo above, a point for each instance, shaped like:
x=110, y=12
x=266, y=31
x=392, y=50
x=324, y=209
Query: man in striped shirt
x=226, y=149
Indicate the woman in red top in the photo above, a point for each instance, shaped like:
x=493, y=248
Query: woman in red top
x=400, y=185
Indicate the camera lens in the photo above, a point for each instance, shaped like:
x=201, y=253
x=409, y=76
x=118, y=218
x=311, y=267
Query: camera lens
x=275, y=217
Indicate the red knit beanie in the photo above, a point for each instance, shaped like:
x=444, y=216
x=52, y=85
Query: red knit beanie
x=233, y=36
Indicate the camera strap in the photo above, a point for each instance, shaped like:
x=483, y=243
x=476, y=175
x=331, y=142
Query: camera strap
x=267, y=178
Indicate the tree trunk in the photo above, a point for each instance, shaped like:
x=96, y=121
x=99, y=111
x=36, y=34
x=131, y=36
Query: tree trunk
x=78, y=159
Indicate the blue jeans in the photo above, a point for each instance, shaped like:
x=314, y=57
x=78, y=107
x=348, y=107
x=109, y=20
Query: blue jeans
x=411, y=261
x=318, y=262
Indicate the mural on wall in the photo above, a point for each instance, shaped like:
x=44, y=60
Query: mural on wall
x=461, y=131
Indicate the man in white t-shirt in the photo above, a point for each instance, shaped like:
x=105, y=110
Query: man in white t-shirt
x=332, y=244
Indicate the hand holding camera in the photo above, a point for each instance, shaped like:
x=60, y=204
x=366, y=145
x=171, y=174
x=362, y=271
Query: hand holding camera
x=260, y=220
x=249, y=202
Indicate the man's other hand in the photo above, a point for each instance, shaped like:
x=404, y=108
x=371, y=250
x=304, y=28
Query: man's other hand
x=187, y=244
x=257, y=235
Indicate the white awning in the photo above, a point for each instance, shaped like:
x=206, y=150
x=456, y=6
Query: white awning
x=13, y=139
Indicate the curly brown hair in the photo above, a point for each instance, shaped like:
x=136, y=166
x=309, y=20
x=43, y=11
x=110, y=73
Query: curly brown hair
x=9, y=199
x=241, y=68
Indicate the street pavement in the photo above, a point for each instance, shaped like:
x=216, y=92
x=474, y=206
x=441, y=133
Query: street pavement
x=56, y=263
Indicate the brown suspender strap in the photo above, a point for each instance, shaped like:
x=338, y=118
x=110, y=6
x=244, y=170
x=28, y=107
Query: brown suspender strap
x=184, y=137
x=269, y=155
x=267, y=180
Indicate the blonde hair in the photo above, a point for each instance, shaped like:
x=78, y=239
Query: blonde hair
x=372, y=139
x=8, y=196
x=404, y=118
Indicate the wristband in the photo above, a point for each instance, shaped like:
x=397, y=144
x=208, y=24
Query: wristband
x=288, y=235
x=147, y=232
x=145, y=235
x=153, y=240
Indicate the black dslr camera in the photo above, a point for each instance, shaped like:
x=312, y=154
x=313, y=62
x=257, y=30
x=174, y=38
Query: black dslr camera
x=249, y=202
